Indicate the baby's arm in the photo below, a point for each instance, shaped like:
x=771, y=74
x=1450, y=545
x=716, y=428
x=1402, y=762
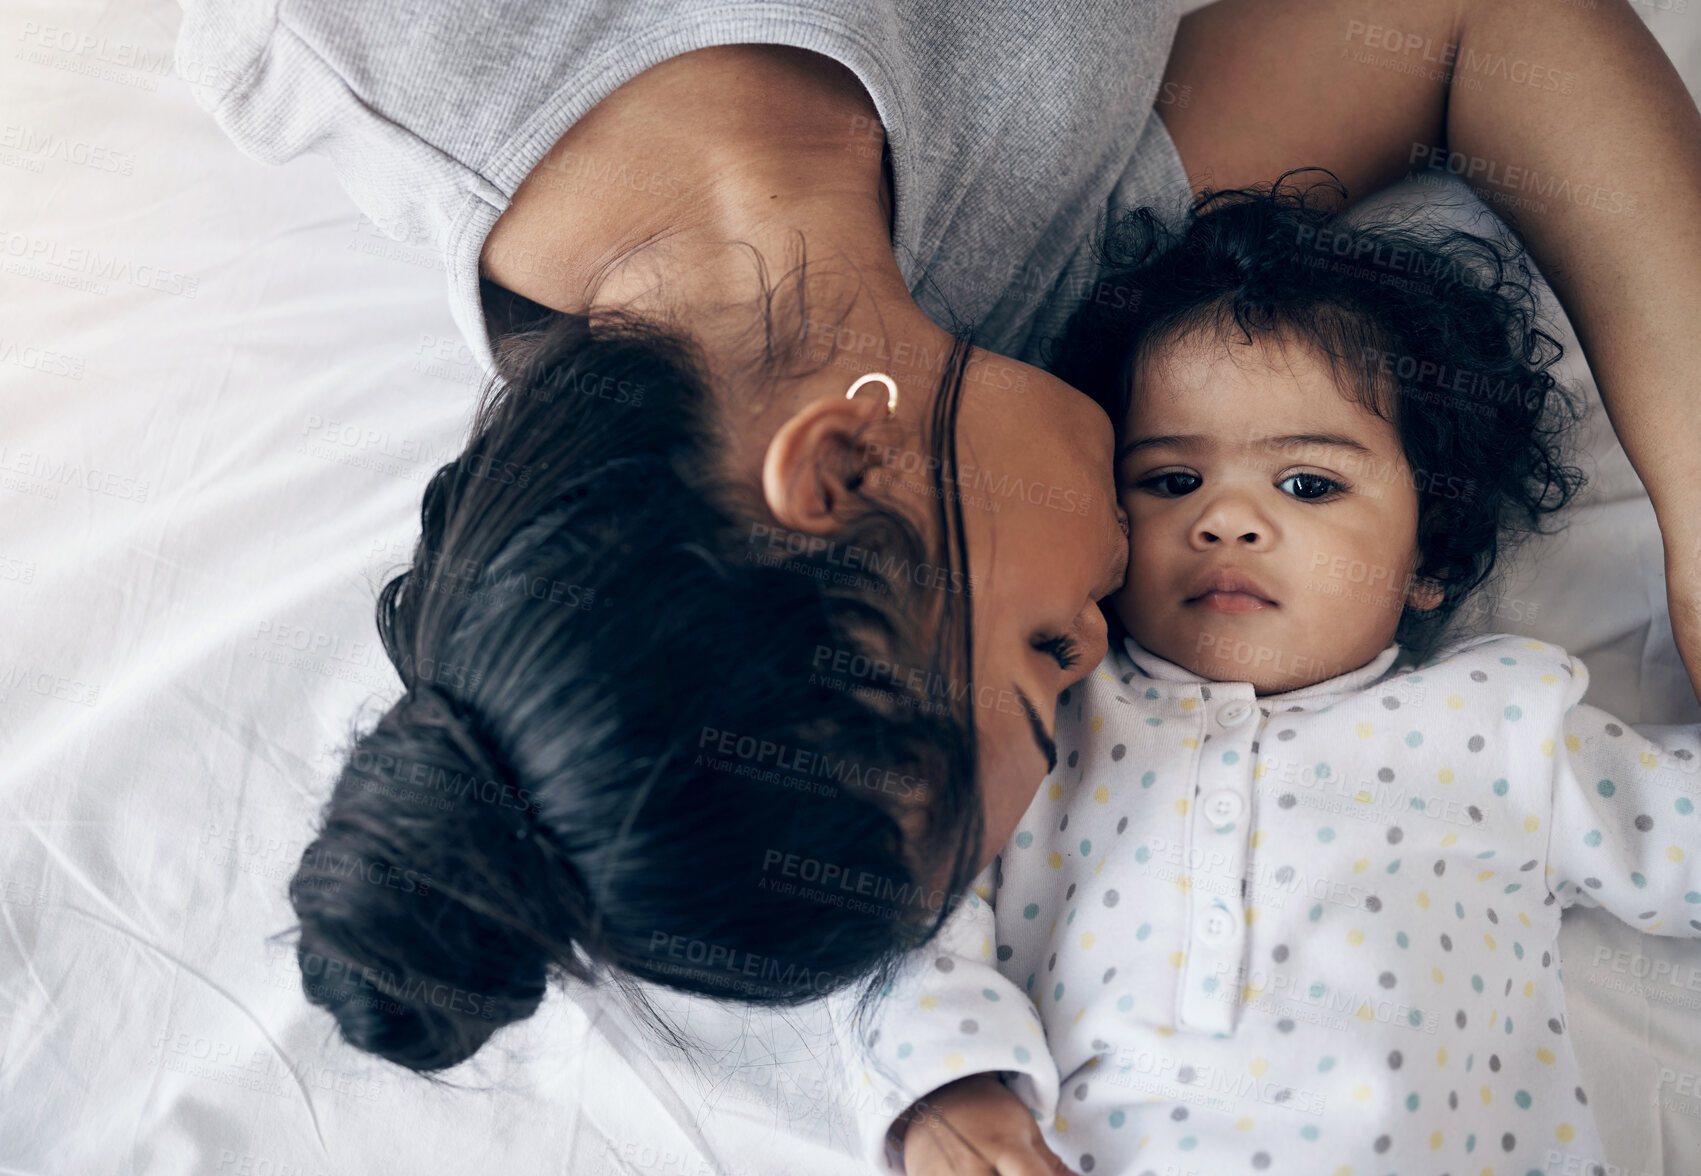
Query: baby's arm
x=948, y=1015
x=1625, y=834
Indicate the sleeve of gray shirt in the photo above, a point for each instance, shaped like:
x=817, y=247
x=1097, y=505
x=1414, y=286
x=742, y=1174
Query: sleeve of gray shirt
x=1014, y=127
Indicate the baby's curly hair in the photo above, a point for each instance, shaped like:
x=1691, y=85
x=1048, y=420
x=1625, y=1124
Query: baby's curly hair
x=1433, y=329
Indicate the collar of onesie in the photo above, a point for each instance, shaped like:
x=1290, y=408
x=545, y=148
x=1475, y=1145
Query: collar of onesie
x=1324, y=692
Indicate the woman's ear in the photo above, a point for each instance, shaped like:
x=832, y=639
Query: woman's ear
x=1425, y=594
x=818, y=458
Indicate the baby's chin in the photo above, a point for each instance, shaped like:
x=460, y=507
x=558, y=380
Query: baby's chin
x=1269, y=666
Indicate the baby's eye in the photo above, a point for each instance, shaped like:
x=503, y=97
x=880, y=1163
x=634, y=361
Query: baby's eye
x=1164, y=485
x=1311, y=487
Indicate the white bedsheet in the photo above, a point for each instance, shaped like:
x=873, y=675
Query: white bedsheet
x=220, y=394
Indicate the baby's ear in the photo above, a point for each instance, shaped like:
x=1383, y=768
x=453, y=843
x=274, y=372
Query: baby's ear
x=1424, y=595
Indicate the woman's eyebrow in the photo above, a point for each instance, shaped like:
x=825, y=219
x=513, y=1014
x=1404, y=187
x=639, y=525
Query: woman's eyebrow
x=1047, y=747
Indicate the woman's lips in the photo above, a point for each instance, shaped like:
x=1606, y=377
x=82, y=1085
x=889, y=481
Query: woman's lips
x=1231, y=602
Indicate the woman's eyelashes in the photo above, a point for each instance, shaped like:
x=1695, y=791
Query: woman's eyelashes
x=1178, y=483
x=1065, y=649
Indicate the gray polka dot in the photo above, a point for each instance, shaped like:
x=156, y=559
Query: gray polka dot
x=1528, y=866
x=1087, y=1162
x=1547, y=959
x=1494, y=1062
x=1070, y=893
x=1492, y=917
x=1592, y=883
x=1286, y=800
x=1109, y=975
x=1383, y=1143
x=1452, y=1100
x=1064, y=823
x=1005, y=951
x=1260, y=1160
x=1185, y=1074
x=1476, y=813
x=1395, y=834
x=1284, y=875
x=1179, y=1114
x=1385, y=775
x=1386, y=980
x=1205, y=693
x=1372, y=904
x=1459, y=1018
x=1508, y=991
x=1614, y=729
x=1644, y=822
x=1081, y=1092
x=1446, y=942
x=1051, y=965
x=1475, y=743
x=1395, y=1059
x=1389, y=701
x=1254, y=747
x=944, y=963
x=1440, y=867
x=970, y=1026
x=1074, y=758
x=1478, y=676
x=1581, y=1097
x=1122, y=824
x=1285, y=734
x=1100, y=1044
x=1508, y=1141
x=1285, y=1025
x=1283, y=1094
x=1111, y=897
x=1063, y=699
x=1553, y=1023
x=1117, y=752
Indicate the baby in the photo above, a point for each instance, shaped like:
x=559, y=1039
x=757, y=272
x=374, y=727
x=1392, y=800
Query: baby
x=1290, y=901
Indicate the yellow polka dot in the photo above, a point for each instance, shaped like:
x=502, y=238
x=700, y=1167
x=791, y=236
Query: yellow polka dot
x=1487, y=1096
x=1493, y=1018
x=1531, y=823
x=1361, y=1094
x=1361, y=865
x=984, y=891
x=1423, y=899
x=1161, y=1030
x=1079, y=1013
x=1250, y=993
x=1445, y=775
x=1355, y=937
x=1486, y=1172
x=1454, y=702
x=1449, y=840
x=1060, y=1123
x=1435, y=1141
x=930, y=1001
x=1572, y=743
x=1097, y=724
x=1087, y=941
x=1524, y=919
x=1190, y=704
x=1647, y=759
x=1547, y=747
x=1259, y=1067
x=1549, y=679
x=1566, y=1133
x=1534, y=645
x=1181, y=807
x=952, y=1061
x=1258, y=839
x=1364, y=730
x=1441, y=1056
x=1176, y=958
x=1184, y=883
x=1488, y=939
x=1190, y=743
x=1258, y=772
x=1674, y=853
x=1101, y=794
x=1055, y=792
x=1435, y=975
x=1244, y=1124
x=1545, y=1056
x=1343, y=1170
x=1364, y=1014
x=1529, y=988
x=1484, y=875
x=1362, y=797
x=985, y=947
x=1251, y=915
x=1055, y=861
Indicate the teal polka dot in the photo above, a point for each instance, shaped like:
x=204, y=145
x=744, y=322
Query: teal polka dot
x=1154, y=722
x=1070, y=920
x=1417, y=803
x=1412, y=1101
x=1685, y=805
x=1031, y=911
x=1325, y=834
x=1322, y=771
x=1231, y=757
x=1606, y=788
x=1415, y=1016
x=1086, y=847
x=1476, y=983
x=1187, y=1143
x=1394, y=866
x=1117, y=1118
x=1022, y=1054
x=1145, y=930
x=1693, y=896
x=1592, y=838
x=1518, y=949
x=1414, y=738
x=989, y=994
x=1509, y=1026
x=1641, y=882
x=1459, y=909
x=1507, y=661
x=1318, y=989
x=1325, y=1063
x=1147, y=779
x=1316, y=912
x=1401, y=939
x=1414, y=678
x=1151, y=692
x=1142, y=855
x=1522, y=1098
x=1023, y=840
x=1470, y=1143
x=1512, y=886
x=1057, y=993
x=1514, y=713
x=905, y=1050
x=1126, y=1003
x=1500, y=787
x=1487, y=853
x=1210, y=984
x=1309, y=1131
x=1470, y=1060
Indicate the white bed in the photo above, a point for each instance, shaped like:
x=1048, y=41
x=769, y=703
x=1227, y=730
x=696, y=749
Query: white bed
x=220, y=392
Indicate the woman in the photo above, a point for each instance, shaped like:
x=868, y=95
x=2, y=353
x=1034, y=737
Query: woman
x=692, y=737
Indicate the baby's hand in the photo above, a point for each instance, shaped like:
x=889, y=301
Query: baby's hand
x=975, y=1127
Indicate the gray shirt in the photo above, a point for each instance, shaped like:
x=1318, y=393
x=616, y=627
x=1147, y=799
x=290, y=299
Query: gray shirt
x=1014, y=125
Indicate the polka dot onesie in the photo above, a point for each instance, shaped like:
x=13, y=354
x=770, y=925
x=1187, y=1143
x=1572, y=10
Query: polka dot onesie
x=1309, y=933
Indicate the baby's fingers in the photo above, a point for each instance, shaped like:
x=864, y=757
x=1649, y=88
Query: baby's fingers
x=1036, y=1159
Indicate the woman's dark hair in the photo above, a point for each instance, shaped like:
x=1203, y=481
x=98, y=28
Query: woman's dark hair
x=646, y=732
x=1432, y=329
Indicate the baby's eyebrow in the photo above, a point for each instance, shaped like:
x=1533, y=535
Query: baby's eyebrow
x=1199, y=441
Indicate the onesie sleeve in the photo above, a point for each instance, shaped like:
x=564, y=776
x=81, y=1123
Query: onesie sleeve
x=1624, y=834
x=947, y=1013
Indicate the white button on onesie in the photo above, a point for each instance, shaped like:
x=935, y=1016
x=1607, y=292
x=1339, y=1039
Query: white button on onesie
x=1309, y=933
